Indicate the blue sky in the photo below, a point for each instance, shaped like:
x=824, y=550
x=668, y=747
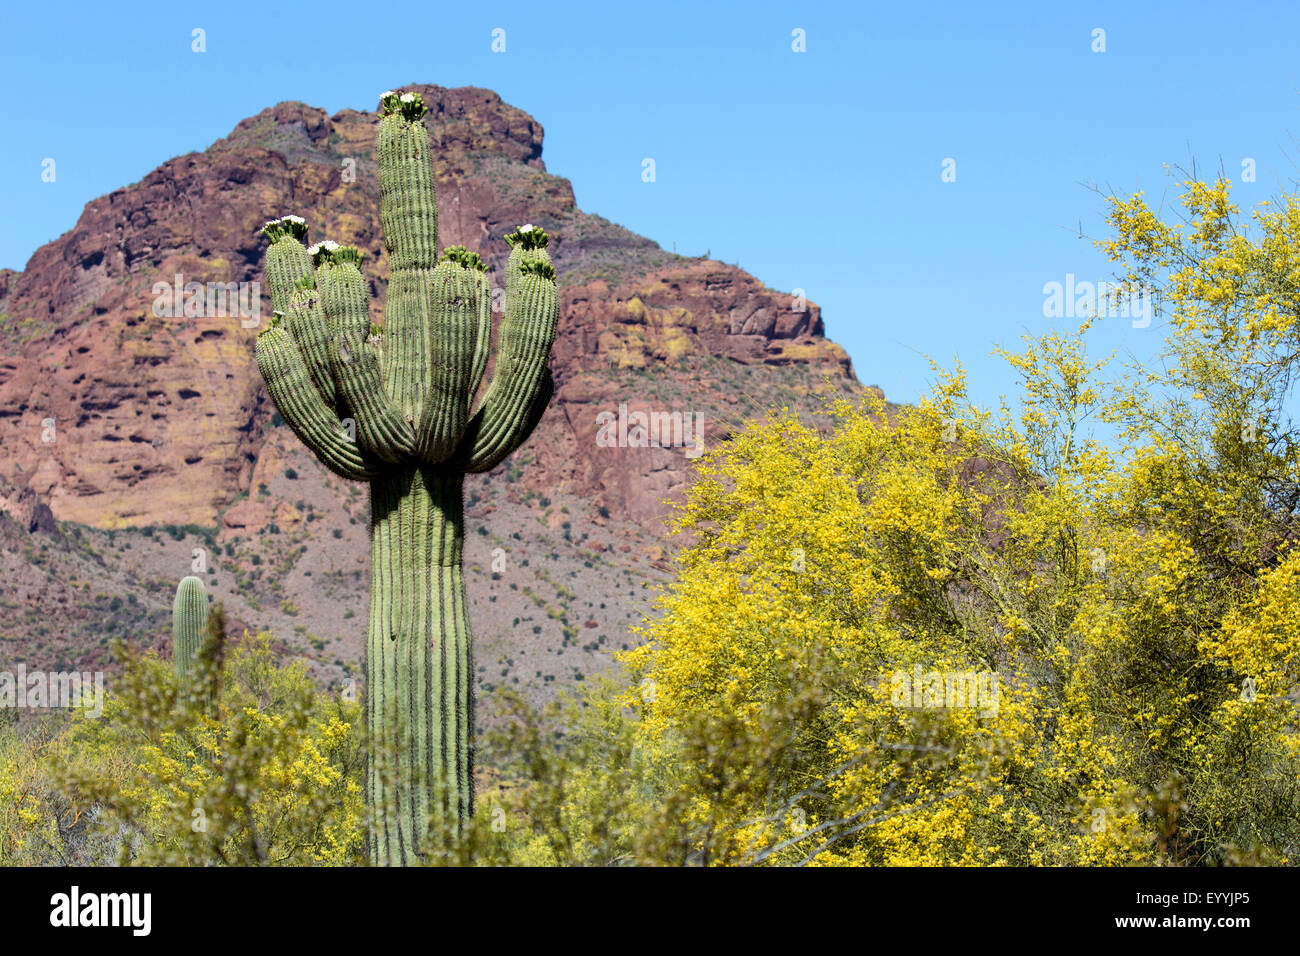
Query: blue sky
x=818, y=170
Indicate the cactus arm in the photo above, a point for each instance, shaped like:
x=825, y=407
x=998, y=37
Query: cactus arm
x=408, y=207
x=291, y=276
x=504, y=423
x=452, y=342
x=482, y=335
x=189, y=621
x=485, y=453
x=362, y=392
x=521, y=385
x=306, y=325
x=287, y=260
x=303, y=409
x=293, y=358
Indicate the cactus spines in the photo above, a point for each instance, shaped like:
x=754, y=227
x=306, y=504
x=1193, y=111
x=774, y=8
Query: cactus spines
x=394, y=407
x=189, y=626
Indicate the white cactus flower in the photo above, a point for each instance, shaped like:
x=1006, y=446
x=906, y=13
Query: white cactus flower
x=527, y=228
x=408, y=97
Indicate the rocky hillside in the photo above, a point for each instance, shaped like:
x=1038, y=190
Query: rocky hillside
x=133, y=433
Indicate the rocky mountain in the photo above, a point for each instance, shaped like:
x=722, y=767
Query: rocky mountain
x=137, y=440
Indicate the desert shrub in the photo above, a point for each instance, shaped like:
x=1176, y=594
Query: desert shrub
x=269, y=775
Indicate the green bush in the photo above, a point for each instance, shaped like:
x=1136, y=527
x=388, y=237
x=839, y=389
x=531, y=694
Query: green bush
x=272, y=777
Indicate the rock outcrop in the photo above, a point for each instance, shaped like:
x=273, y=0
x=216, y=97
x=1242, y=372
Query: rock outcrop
x=129, y=397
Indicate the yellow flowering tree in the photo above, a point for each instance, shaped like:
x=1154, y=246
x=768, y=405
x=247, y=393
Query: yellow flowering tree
x=1128, y=610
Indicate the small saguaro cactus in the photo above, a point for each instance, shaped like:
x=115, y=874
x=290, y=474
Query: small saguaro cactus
x=189, y=625
x=393, y=408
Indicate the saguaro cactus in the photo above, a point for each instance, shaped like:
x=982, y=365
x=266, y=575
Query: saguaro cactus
x=392, y=407
x=189, y=625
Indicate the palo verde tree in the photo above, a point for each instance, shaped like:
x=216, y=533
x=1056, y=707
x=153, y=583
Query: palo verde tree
x=1135, y=603
x=392, y=407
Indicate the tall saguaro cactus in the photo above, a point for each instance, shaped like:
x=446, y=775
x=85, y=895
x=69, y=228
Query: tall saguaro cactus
x=392, y=407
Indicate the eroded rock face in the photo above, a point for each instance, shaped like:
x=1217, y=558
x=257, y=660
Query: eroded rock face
x=691, y=308
x=26, y=510
x=117, y=408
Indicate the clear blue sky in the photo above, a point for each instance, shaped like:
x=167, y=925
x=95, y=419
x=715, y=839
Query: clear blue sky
x=819, y=170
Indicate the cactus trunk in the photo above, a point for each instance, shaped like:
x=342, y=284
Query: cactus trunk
x=419, y=680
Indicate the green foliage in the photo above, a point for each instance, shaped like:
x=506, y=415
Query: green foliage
x=270, y=777
x=1139, y=606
